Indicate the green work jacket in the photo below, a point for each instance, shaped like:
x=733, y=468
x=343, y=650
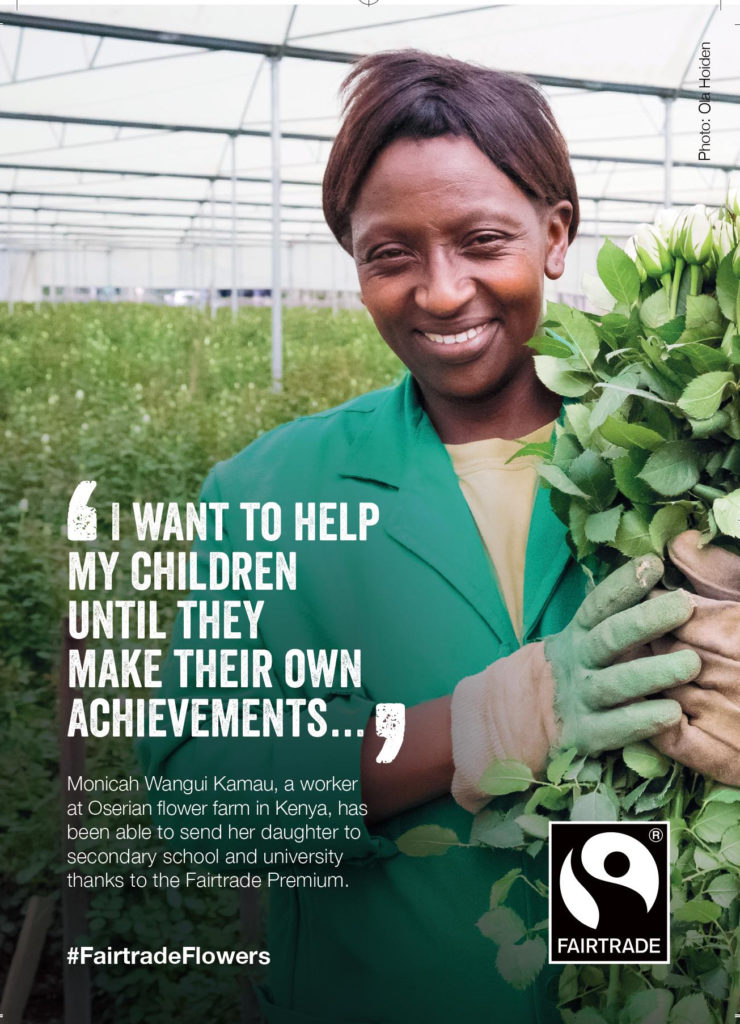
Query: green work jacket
x=399, y=942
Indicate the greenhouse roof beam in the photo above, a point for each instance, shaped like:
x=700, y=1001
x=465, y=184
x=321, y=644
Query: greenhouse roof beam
x=309, y=53
x=636, y=200
x=149, y=213
x=150, y=174
x=174, y=199
x=642, y=161
x=154, y=126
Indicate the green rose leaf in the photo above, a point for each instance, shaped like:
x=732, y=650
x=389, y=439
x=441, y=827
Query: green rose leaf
x=628, y=435
x=655, y=310
x=577, y=516
x=691, y=1010
x=698, y=911
x=714, y=821
x=703, y=396
x=558, y=766
x=490, y=829
x=644, y=759
x=627, y=471
x=666, y=524
x=500, y=889
x=557, y=376
x=727, y=514
x=651, y=1006
x=578, y=331
x=601, y=527
x=673, y=469
x=546, y=345
x=568, y=984
x=703, y=358
x=724, y=889
x=508, y=776
x=567, y=448
x=589, y=1016
x=520, y=964
x=502, y=925
x=730, y=849
x=724, y=795
x=705, y=861
x=593, y=475
x=727, y=287
x=612, y=399
x=557, y=478
x=534, y=825
x=703, y=311
x=540, y=449
x=618, y=273
x=596, y=806
x=577, y=418
x=427, y=841
x=550, y=797
x=716, y=983
x=672, y=330
x=633, y=535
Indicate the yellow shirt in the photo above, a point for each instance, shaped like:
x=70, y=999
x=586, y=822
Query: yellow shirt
x=501, y=498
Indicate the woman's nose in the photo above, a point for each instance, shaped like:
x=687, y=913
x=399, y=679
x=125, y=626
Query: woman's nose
x=445, y=287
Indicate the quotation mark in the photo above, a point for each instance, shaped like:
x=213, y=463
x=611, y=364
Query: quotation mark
x=82, y=518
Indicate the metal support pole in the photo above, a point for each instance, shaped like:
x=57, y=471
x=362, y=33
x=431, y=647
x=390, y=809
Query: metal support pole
x=109, y=275
x=234, y=304
x=597, y=225
x=36, y=261
x=668, y=152
x=67, y=270
x=10, y=253
x=212, y=300
x=276, y=287
x=53, y=284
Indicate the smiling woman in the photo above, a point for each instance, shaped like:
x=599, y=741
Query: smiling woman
x=452, y=275
x=450, y=186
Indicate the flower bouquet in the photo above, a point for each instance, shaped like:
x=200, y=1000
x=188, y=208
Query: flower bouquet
x=648, y=448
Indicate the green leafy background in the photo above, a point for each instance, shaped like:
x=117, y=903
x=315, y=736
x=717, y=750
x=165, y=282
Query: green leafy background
x=144, y=400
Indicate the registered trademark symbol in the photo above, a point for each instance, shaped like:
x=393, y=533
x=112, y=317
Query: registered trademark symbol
x=656, y=834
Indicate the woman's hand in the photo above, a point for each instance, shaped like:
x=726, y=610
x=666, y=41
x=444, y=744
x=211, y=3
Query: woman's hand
x=707, y=738
x=572, y=690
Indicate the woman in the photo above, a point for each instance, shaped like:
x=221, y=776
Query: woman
x=451, y=188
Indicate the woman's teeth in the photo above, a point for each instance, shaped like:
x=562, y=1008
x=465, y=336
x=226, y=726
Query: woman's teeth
x=456, y=339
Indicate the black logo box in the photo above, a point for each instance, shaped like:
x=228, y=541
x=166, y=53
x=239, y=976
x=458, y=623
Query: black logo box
x=612, y=912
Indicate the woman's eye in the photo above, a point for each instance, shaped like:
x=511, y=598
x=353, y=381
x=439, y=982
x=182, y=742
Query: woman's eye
x=486, y=238
x=388, y=254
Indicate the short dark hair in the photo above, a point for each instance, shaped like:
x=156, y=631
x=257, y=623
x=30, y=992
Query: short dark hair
x=417, y=95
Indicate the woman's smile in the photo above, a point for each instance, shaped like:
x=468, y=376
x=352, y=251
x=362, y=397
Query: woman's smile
x=451, y=257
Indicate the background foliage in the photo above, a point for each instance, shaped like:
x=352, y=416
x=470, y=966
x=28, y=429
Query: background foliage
x=144, y=400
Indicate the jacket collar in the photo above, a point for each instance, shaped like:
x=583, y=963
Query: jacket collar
x=426, y=511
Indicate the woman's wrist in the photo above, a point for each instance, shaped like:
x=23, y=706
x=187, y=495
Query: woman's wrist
x=422, y=769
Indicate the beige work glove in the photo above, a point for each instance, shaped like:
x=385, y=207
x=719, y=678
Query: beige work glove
x=707, y=738
x=574, y=689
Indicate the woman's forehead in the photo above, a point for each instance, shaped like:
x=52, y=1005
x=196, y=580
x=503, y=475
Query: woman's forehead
x=447, y=179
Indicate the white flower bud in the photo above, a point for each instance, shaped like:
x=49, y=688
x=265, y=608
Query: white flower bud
x=697, y=239
x=652, y=252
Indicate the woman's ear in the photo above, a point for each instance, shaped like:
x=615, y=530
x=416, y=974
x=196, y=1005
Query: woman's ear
x=558, y=224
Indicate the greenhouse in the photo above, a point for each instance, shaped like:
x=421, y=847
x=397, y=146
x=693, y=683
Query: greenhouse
x=149, y=156
x=198, y=399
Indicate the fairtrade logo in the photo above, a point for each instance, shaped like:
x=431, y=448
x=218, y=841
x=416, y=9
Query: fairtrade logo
x=609, y=892
x=641, y=876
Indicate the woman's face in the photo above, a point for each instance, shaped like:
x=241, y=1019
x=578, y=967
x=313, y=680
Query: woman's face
x=451, y=256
